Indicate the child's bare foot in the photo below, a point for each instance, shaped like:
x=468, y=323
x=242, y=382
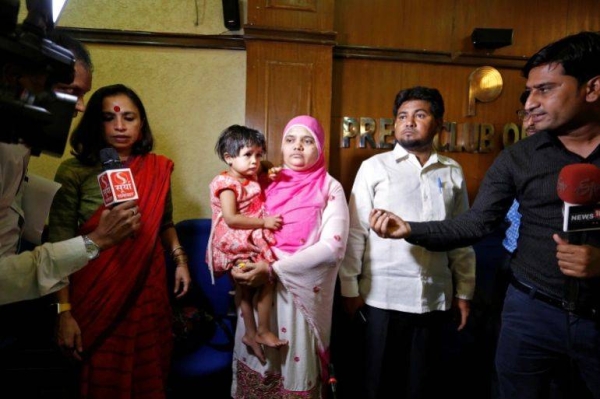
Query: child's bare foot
x=255, y=347
x=271, y=340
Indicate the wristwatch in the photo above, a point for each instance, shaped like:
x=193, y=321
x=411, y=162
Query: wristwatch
x=92, y=249
x=62, y=307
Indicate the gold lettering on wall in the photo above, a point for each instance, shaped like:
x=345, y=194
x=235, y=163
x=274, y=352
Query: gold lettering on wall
x=365, y=129
x=485, y=85
x=366, y=132
x=511, y=134
x=486, y=136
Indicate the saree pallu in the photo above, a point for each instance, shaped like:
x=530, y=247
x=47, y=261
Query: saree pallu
x=121, y=303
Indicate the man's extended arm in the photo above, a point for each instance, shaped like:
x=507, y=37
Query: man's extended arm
x=43, y=270
x=39, y=272
x=495, y=196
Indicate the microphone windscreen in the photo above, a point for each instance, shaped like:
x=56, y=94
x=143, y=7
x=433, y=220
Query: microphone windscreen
x=579, y=184
x=109, y=158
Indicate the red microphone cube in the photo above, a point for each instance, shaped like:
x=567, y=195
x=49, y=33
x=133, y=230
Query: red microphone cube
x=117, y=185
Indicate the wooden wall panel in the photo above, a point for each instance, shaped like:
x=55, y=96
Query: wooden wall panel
x=285, y=80
x=535, y=23
x=367, y=88
x=410, y=24
x=314, y=15
x=446, y=26
x=283, y=98
x=386, y=45
x=583, y=15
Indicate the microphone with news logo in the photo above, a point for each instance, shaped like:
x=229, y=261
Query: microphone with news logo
x=579, y=188
x=116, y=182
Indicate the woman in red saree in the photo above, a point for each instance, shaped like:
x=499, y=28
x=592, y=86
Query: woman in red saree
x=119, y=324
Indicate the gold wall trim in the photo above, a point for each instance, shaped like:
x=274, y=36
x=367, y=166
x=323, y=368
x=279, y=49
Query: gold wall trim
x=138, y=38
x=434, y=57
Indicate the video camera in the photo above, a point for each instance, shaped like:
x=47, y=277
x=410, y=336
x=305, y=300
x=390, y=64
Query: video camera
x=38, y=118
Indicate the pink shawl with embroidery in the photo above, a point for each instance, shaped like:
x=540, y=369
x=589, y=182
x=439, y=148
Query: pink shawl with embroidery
x=311, y=242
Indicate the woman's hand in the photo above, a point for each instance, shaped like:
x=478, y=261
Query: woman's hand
x=182, y=280
x=252, y=274
x=68, y=336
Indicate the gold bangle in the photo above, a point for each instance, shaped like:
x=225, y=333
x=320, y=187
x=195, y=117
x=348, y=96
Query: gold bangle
x=181, y=259
x=175, y=250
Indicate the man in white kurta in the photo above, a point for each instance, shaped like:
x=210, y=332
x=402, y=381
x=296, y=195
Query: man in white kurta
x=401, y=288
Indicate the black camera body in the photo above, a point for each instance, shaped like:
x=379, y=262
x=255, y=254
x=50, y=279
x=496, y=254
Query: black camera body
x=40, y=120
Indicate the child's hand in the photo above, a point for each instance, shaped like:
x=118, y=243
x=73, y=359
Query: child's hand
x=273, y=172
x=273, y=222
x=241, y=265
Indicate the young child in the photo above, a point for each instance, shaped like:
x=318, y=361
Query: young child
x=241, y=231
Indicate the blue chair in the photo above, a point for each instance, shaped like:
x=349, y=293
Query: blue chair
x=207, y=367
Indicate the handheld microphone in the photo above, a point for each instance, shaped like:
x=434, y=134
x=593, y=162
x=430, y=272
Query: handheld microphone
x=109, y=158
x=579, y=187
x=116, y=182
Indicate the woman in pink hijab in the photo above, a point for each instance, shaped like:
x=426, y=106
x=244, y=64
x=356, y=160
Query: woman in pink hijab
x=309, y=249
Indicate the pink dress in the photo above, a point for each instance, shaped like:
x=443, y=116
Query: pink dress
x=227, y=246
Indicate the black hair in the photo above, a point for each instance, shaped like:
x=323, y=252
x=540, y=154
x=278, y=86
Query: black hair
x=579, y=55
x=235, y=137
x=88, y=137
x=79, y=51
x=432, y=96
x=523, y=97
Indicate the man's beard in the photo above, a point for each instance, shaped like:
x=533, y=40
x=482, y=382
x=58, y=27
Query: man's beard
x=414, y=144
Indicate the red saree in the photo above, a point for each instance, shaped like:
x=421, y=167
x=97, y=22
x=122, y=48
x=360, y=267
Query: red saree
x=121, y=303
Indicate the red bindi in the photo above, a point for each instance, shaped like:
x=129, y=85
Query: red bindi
x=117, y=108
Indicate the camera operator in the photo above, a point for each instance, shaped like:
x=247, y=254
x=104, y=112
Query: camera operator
x=82, y=80
x=43, y=270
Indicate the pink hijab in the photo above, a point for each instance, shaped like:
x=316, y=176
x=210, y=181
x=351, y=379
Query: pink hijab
x=298, y=195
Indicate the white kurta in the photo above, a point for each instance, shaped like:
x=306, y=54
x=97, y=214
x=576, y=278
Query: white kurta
x=394, y=274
